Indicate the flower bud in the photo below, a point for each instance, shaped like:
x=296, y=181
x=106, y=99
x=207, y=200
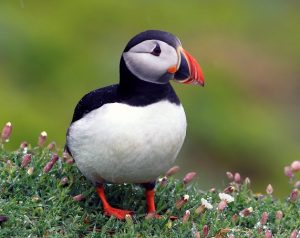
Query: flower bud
x=186, y=216
x=54, y=158
x=247, y=181
x=42, y=138
x=205, y=231
x=268, y=234
x=163, y=181
x=294, y=234
x=279, y=215
x=3, y=218
x=222, y=205
x=64, y=181
x=189, y=177
x=23, y=145
x=269, y=189
x=197, y=234
x=172, y=171
x=70, y=161
x=128, y=219
x=26, y=160
x=229, y=176
x=237, y=178
x=264, y=218
x=229, y=189
x=30, y=171
x=295, y=166
x=297, y=184
x=79, y=197
x=51, y=146
x=182, y=201
x=200, y=209
x=246, y=212
x=65, y=156
x=9, y=164
x=48, y=167
x=6, y=132
x=234, y=218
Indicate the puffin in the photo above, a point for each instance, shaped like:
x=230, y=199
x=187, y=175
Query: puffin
x=132, y=132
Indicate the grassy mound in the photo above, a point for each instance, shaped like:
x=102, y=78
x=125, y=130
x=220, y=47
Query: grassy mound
x=42, y=195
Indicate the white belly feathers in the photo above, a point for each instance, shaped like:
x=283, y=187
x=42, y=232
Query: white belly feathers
x=118, y=143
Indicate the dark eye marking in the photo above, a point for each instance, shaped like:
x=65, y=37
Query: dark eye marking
x=156, y=51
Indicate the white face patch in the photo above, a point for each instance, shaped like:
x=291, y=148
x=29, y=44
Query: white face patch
x=149, y=67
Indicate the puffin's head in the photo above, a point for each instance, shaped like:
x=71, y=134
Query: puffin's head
x=157, y=57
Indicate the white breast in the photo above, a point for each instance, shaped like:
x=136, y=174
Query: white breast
x=119, y=143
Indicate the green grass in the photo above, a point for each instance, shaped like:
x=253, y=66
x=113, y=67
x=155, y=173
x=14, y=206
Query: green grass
x=38, y=205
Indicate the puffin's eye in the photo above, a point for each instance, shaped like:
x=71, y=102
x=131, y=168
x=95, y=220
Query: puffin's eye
x=156, y=51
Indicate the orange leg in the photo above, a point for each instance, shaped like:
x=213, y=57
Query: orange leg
x=109, y=210
x=150, y=203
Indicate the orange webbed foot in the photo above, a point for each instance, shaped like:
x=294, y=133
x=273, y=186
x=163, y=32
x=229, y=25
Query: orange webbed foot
x=118, y=213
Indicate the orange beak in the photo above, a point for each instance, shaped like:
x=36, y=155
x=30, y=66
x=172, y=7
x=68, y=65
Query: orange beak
x=188, y=69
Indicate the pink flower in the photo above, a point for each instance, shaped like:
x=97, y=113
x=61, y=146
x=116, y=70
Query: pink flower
x=189, y=177
x=295, y=166
x=294, y=195
x=288, y=171
x=172, y=171
x=6, y=132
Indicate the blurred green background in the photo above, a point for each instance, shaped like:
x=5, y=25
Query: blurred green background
x=246, y=119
